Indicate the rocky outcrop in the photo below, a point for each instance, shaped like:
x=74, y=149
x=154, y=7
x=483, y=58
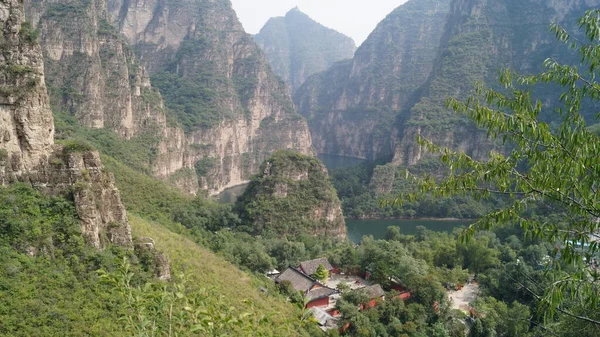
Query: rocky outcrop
x=352, y=108
x=27, y=153
x=292, y=196
x=297, y=47
x=26, y=122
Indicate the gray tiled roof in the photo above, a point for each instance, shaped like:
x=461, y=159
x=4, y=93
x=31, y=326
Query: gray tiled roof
x=299, y=281
x=310, y=267
x=374, y=291
x=320, y=293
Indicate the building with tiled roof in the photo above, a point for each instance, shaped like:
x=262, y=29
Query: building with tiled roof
x=310, y=267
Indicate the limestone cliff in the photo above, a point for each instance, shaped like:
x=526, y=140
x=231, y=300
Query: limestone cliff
x=90, y=71
x=27, y=125
x=297, y=47
x=27, y=153
x=396, y=86
x=292, y=196
x=353, y=106
x=226, y=110
x=481, y=37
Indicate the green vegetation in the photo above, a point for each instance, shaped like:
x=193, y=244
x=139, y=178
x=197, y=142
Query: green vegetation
x=282, y=199
x=361, y=188
x=138, y=152
x=549, y=170
x=321, y=274
x=30, y=34
x=48, y=284
x=3, y=155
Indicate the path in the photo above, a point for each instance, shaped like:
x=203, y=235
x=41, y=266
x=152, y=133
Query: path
x=460, y=299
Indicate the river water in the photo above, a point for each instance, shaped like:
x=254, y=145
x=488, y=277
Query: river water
x=358, y=228
x=378, y=228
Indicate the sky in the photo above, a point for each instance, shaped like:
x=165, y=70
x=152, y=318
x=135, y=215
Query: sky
x=355, y=18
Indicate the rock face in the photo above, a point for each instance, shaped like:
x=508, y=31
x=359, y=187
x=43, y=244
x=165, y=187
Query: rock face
x=91, y=73
x=396, y=86
x=292, y=196
x=297, y=47
x=234, y=111
x=26, y=122
x=481, y=37
x=226, y=110
x=27, y=153
x=353, y=106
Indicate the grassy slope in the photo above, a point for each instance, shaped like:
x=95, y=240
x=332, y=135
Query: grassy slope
x=230, y=286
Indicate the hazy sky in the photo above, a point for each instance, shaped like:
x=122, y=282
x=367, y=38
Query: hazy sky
x=355, y=18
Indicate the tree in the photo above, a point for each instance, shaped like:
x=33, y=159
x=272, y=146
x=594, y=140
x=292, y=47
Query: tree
x=555, y=167
x=321, y=274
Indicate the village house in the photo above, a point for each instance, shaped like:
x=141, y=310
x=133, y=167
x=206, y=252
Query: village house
x=317, y=294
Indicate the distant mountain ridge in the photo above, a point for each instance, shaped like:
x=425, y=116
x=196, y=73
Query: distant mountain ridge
x=297, y=46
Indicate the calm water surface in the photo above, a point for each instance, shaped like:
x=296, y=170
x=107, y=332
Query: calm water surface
x=358, y=228
x=332, y=161
x=230, y=195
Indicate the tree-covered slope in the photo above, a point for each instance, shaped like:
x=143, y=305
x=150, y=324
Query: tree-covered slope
x=296, y=46
x=292, y=196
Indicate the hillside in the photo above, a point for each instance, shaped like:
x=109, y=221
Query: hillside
x=293, y=196
x=296, y=46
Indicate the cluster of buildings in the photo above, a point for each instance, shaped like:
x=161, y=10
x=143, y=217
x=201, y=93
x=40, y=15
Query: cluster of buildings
x=321, y=296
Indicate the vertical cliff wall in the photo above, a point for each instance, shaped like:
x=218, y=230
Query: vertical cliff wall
x=481, y=38
x=297, y=47
x=218, y=86
x=353, y=107
x=27, y=153
x=90, y=71
x=27, y=125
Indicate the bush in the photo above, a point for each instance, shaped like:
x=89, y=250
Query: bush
x=76, y=145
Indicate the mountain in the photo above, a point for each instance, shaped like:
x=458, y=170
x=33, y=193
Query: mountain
x=183, y=76
x=352, y=107
x=395, y=88
x=292, y=196
x=297, y=47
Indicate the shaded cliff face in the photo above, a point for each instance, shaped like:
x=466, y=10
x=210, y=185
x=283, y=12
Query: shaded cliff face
x=481, y=38
x=217, y=84
x=27, y=153
x=353, y=106
x=292, y=196
x=297, y=47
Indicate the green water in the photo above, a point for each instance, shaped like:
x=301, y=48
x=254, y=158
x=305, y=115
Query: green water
x=332, y=161
x=230, y=195
x=358, y=228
